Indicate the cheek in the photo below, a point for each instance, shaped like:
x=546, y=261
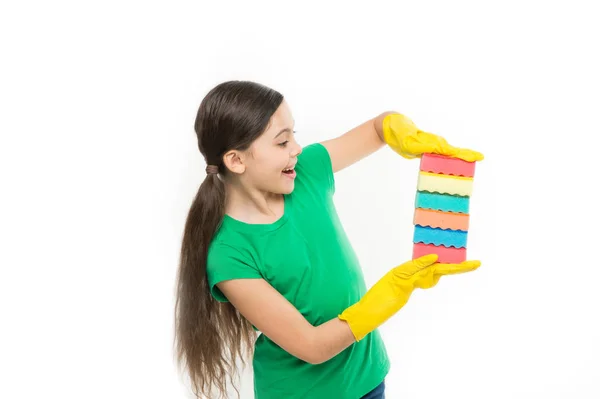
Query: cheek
x=272, y=163
x=270, y=168
x=279, y=163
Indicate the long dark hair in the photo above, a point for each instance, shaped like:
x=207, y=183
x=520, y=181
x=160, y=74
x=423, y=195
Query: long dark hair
x=210, y=335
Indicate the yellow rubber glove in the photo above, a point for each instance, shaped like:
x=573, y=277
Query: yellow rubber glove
x=394, y=289
x=403, y=136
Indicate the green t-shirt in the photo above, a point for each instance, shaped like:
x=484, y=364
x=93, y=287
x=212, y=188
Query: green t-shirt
x=307, y=257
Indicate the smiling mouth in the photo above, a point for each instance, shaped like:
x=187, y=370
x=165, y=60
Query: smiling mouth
x=290, y=173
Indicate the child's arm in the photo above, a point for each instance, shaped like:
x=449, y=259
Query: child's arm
x=399, y=133
x=273, y=315
x=356, y=144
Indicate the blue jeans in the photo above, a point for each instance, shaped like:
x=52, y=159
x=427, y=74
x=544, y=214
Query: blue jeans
x=377, y=393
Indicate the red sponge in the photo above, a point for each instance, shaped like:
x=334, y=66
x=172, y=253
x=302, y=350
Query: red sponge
x=445, y=254
x=435, y=163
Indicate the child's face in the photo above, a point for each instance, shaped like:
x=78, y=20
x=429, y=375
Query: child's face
x=273, y=152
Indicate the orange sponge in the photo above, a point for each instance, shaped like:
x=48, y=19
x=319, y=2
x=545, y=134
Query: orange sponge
x=443, y=220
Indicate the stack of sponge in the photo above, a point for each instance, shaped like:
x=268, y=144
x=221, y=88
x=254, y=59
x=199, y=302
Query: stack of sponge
x=441, y=218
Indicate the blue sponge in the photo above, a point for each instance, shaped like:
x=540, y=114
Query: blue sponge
x=442, y=202
x=437, y=236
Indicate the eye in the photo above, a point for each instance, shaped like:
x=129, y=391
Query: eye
x=284, y=144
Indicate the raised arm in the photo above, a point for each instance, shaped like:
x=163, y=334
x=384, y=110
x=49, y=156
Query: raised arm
x=399, y=133
x=357, y=143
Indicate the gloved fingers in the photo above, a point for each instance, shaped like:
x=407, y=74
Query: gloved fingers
x=427, y=279
x=408, y=269
x=456, y=268
x=469, y=155
x=439, y=145
x=401, y=133
x=414, y=148
x=424, y=142
x=425, y=260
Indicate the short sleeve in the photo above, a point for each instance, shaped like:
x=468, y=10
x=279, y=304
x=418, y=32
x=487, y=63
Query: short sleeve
x=314, y=163
x=227, y=263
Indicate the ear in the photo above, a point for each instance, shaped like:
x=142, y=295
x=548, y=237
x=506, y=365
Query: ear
x=234, y=162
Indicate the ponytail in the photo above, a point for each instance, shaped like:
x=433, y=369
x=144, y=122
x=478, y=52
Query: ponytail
x=209, y=335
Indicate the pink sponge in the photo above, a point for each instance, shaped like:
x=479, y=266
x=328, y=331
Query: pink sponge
x=445, y=254
x=435, y=163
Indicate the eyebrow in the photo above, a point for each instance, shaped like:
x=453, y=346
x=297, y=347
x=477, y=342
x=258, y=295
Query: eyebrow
x=281, y=132
x=287, y=129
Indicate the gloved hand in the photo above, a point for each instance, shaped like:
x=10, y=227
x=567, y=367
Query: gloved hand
x=403, y=136
x=394, y=289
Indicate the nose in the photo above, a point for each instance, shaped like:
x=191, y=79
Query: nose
x=297, y=150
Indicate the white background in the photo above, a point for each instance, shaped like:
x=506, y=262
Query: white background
x=99, y=164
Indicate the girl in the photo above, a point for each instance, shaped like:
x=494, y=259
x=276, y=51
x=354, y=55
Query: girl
x=263, y=250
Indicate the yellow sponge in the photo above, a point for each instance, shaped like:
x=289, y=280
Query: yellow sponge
x=445, y=184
